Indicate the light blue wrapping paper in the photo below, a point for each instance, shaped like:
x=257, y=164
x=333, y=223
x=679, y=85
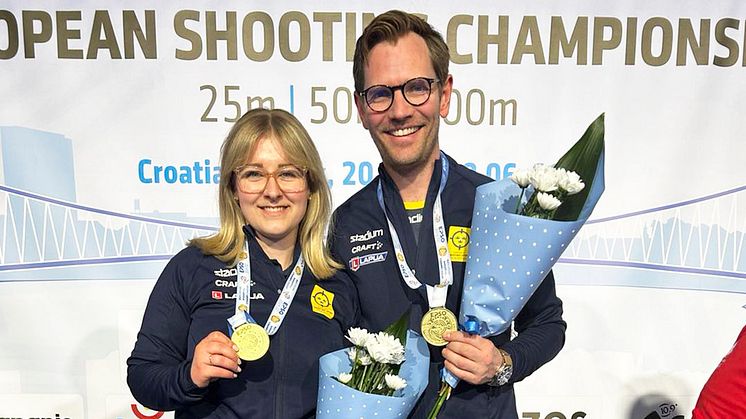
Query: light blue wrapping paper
x=336, y=400
x=510, y=254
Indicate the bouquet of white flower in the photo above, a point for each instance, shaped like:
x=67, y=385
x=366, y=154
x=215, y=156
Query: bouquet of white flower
x=512, y=249
x=375, y=357
x=551, y=186
x=388, y=373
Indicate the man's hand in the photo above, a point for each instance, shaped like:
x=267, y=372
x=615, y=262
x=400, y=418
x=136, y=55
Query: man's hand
x=215, y=357
x=471, y=358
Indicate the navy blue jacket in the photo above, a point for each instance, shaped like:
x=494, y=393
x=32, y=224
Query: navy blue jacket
x=361, y=240
x=194, y=296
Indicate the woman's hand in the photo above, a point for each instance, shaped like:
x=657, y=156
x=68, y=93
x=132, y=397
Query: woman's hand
x=215, y=356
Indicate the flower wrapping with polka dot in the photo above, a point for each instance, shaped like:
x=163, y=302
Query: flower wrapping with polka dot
x=336, y=400
x=510, y=254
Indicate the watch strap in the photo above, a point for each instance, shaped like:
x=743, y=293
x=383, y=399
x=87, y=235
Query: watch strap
x=504, y=372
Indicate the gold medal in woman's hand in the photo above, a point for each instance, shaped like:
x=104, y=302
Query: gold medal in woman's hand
x=252, y=341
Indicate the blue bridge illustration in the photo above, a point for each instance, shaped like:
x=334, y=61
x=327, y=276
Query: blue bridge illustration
x=41, y=233
x=695, y=244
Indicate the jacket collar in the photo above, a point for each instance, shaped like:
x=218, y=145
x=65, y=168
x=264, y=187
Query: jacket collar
x=256, y=252
x=391, y=191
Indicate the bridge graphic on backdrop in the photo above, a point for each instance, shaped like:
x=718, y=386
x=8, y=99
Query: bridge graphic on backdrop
x=701, y=237
x=697, y=237
x=41, y=232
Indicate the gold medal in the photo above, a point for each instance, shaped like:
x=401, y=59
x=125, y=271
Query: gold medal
x=435, y=322
x=252, y=341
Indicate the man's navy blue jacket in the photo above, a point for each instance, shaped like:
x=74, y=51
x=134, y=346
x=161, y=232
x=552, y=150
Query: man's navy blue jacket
x=194, y=296
x=361, y=240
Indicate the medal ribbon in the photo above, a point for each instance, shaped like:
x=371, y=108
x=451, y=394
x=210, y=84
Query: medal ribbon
x=436, y=295
x=243, y=294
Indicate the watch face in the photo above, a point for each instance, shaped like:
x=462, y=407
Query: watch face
x=505, y=372
x=504, y=375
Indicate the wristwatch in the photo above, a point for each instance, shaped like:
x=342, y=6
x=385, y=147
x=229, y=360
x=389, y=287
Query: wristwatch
x=506, y=370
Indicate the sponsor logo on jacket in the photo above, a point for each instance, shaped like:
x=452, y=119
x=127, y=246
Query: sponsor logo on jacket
x=322, y=302
x=458, y=243
x=224, y=295
x=366, y=247
x=368, y=235
x=358, y=261
x=225, y=272
x=229, y=284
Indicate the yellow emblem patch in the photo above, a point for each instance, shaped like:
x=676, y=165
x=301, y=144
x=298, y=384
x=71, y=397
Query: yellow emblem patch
x=321, y=302
x=458, y=243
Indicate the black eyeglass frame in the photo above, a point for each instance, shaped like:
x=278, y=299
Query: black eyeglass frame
x=393, y=89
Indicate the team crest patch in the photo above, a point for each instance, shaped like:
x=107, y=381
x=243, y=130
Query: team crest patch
x=458, y=243
x=321, y=302
x=358, y=261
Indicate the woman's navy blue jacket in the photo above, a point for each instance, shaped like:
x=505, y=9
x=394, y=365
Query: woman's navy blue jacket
x=194, y=296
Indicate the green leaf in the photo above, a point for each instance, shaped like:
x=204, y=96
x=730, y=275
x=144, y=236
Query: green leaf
x=399, y=328
x=583, y=159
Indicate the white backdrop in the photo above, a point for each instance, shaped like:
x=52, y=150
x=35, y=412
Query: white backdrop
x=109, y=143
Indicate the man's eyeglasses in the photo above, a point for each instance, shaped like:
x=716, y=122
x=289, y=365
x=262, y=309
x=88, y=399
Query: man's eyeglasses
x=253, y=179
x=415, y=91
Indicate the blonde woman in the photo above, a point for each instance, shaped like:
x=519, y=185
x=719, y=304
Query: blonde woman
x=237, y=321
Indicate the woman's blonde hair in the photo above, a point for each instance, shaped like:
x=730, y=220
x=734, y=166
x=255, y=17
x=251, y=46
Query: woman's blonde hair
x=287, y=131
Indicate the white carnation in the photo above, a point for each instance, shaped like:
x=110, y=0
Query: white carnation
x=344, y=377
x=385, y=348
x=547, y=201
x=352, y=353
x=544, y=178
x=397, y=358
x=358, y=336
x=364, y=359
x=520, y=177
x=395, y=382
x=378, y=352
x=570, y=182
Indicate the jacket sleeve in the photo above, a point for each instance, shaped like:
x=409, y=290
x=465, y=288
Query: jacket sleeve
x=333, y=238
x=722, y=395
x=158, y=371
x=335, y=245
x=352, y=300
x=541, y=331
